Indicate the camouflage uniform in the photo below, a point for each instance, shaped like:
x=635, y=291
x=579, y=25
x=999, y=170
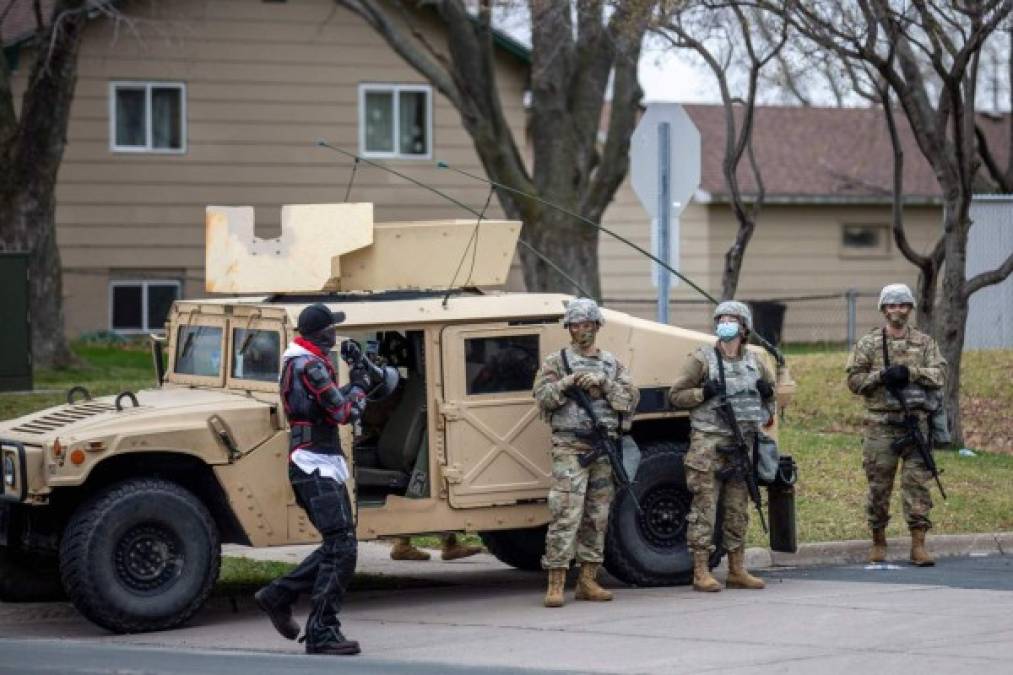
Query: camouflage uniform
x=703, y=461
x=921, y=355
x=579, y=498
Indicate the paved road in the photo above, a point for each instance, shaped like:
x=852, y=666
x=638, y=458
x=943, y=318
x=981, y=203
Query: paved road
x=953, y=618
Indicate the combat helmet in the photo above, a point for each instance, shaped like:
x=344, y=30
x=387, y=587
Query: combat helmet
x=735, y=308
x=582, y=309
x=896, y=294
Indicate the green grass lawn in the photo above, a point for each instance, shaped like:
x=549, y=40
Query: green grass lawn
x=822, y=430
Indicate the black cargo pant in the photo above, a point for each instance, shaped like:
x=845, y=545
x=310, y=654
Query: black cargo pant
x=327, y=572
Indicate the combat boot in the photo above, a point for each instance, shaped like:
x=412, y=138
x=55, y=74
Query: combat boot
x=557, y=579
x=331, y=643
x=878, y=551
x=738, y=576
x=279, y=614
x=453, y=549
x=587, y=585
x=403, y=550
x=702, y=578
x=919, y=556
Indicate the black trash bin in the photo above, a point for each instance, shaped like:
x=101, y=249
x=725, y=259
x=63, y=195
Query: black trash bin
x=768, y=319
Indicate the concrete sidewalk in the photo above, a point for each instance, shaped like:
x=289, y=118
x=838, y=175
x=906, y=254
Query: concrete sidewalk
x=374, y=556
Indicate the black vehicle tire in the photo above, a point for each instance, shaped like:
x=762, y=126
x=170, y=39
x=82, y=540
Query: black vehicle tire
x=522, y=549
x=649, y=548
x=29, y=577
x=141, y=555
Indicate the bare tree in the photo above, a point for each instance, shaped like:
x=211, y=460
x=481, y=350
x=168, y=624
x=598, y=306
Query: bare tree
x=896, y=40
x=579, y=51
x=31, y=149
x=725, y=36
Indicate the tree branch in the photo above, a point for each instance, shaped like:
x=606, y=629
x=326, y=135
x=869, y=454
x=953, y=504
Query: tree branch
x=401, y=42
x=980, y=281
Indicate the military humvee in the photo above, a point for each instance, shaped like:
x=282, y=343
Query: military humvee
x=127, y=498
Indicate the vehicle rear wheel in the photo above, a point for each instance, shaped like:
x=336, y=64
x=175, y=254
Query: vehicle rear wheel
x=29, y=577
x=141, y=555
x=649, y=548
x=522, y=549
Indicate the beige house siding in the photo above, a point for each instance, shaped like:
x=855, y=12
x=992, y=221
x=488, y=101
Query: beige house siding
x=795, y=251
x=263, y=82
x=626, y=276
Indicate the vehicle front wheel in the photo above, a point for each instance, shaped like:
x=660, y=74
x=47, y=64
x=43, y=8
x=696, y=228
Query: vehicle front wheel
x=649, y=548
x=29, y=577
x=522, y=549
x=141, y=555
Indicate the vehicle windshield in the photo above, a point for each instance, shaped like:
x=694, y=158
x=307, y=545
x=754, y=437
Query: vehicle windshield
x=255, y=354
x=198, y=351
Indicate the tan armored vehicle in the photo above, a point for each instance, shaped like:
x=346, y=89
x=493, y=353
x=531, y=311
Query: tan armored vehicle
x=133, y=495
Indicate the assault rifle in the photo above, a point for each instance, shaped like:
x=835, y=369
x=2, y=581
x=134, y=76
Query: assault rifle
x=741, y=462
x=915, y=437
x=602, y=444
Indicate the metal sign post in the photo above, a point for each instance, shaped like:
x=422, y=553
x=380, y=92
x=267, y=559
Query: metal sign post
x=664, y=211
x=665, y=172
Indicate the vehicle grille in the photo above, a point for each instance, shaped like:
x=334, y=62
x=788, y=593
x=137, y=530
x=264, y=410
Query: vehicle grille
x=62, y=417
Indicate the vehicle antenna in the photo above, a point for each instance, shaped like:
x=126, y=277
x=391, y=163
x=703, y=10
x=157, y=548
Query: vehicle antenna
x=544, y=258
x=587, y=221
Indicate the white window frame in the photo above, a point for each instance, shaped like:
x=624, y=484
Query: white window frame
x=395, y=90
x=148, y=85
x=144, y=284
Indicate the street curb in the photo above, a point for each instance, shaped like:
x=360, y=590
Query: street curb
x=898, y=548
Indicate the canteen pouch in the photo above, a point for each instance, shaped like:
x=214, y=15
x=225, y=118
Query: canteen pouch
x=765, y=459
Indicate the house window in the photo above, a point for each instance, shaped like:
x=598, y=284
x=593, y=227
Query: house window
x=147, y=117
x=141, y=306
x=865, y=241
x=395, y=121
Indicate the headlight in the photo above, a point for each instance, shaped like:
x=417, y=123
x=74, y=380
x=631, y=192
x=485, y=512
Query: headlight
x=8, y=470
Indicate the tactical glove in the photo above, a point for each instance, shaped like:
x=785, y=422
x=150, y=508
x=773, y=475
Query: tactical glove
x=765, y=389
x=588, y=380
x=711, y=388
x=895, y=376
x=567, y=381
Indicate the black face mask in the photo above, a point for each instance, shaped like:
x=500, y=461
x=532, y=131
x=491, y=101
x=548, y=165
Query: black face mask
x=324, y=339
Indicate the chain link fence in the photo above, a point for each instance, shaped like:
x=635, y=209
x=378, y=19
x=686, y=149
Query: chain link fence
x=827, y=320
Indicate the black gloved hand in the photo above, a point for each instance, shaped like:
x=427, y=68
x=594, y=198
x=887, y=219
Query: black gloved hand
x=711, y=388
x=358, y=376
x=895, y=376
x=765, y=389
x=351, y=353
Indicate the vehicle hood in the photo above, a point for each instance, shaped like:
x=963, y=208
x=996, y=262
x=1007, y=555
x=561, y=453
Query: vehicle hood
x=99, y=416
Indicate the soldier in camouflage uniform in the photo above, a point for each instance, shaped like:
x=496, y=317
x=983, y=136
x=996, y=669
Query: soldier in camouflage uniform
x=748, y=385
x=917, y=368
x=579, y=498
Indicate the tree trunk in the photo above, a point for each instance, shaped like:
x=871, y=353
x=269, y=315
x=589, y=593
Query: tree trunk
x=925, y=292
x=735, y=255
x=571, y=245
x=31, y=162
x=952, y=321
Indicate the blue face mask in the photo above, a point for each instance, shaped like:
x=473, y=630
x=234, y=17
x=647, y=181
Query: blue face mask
x=727, y=331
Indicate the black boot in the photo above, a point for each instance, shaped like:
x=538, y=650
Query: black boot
x=332, y=643
x=279, y=614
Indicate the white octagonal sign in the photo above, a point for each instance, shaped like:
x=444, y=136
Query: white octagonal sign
x=684, y=157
